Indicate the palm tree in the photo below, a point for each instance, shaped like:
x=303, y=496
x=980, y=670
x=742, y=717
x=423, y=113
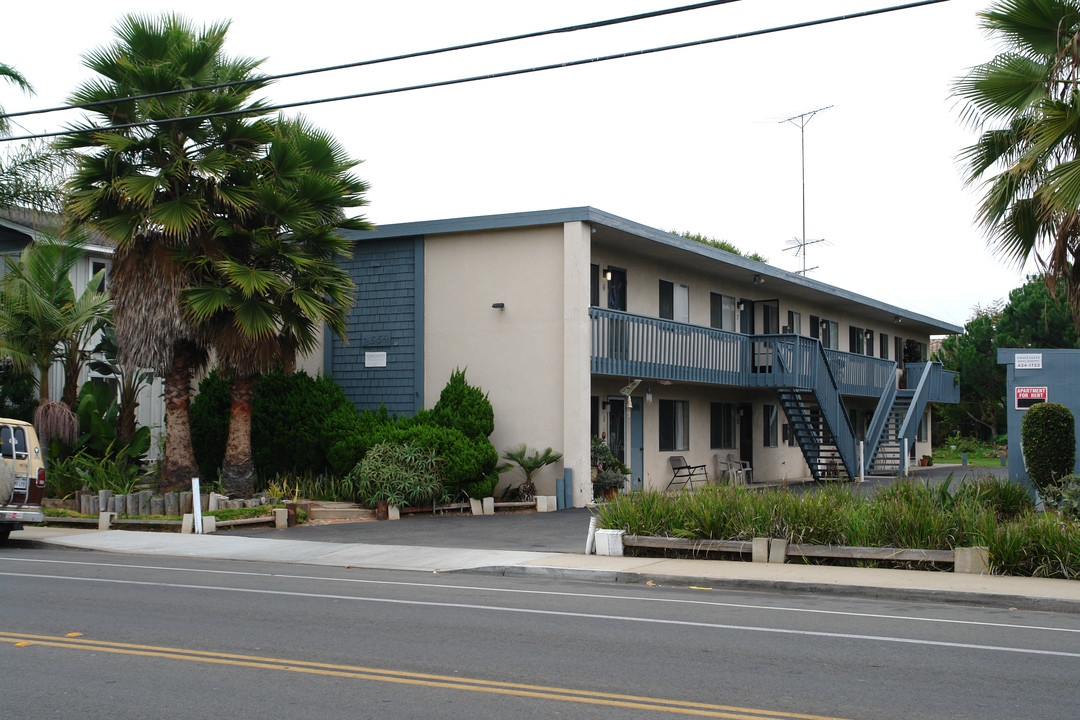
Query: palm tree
x=14, y=77
x=42, y=319
x=529, y=464
x=163, y=190
x=274, y=281
x=1026, y=104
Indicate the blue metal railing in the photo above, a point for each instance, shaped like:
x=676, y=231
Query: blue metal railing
x=941, y=386
x=639, y=346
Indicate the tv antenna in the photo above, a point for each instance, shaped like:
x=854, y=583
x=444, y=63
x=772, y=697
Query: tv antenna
x=802, y=121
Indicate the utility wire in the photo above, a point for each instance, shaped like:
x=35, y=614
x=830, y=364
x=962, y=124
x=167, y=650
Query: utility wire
x=476, y=78
x=378, y=61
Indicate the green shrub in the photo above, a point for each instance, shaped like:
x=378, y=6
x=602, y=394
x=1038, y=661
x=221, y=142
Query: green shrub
x=466, y=462
x=1066, y=497
x=1036, y=545
x=399, y=474
x=209, y=418
x=464, y=407
x=1048, y=436
x=288, y=419
x=349, y=434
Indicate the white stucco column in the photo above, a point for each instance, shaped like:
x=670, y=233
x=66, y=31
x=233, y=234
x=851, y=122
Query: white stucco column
x=577, y=242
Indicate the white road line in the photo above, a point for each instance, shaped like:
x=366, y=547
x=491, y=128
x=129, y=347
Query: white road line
x=597, y=596
x=562, y=613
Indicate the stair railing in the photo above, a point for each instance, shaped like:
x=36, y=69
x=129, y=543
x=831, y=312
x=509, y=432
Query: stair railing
x=877, y=422
x=918, y=404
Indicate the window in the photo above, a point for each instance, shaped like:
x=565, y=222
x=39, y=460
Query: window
x=674, y=425
x=884, y=346
x=830, y=334
x=769, y=415
x=97, y=266
x=722, y=311
x=794, y=322
x=923, y=424
x=674, y=301
x=770, y=317
x=594, y=285
x=856, y=340
x=722, y=425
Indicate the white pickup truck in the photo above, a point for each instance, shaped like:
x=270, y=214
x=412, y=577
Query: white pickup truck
x=22, y=476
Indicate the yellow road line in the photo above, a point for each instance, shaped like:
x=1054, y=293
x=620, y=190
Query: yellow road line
x=409, y=678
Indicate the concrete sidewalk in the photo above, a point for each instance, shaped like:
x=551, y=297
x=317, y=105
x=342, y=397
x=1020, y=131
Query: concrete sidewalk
x=946, y=587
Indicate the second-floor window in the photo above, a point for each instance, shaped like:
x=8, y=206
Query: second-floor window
x=674, y=301
x=830, y=334
x=722, y=311
x=856, y=340
x=794, y=322
x=674, y=425
x=884, y=346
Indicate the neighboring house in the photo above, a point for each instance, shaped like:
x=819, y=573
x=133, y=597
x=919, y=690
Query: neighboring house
x=554, y=312
x=19, y=227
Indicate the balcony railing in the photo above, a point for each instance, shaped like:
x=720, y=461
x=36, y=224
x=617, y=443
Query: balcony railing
x=942, y=386
x=638, y=346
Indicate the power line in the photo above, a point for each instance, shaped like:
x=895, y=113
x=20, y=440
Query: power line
x=378, y=61
x=476, y=78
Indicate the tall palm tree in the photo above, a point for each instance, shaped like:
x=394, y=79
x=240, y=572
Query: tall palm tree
x=274, y=281
x=1026, y=104
x=164, y=190
x=16, y=78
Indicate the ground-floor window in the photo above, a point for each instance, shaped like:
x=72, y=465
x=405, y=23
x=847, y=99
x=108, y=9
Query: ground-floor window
x=722, y=425
x=674, y=425
x=771, y=420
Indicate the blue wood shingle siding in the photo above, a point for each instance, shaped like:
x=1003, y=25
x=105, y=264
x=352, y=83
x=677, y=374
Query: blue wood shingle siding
x=387, y=317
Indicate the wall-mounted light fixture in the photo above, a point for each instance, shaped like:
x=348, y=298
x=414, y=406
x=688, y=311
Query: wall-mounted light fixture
x=869, y=334
x=607, y=273
x=897, y=319
x=648, y=396
x=741, y=306
x=499, y=306
x=758, y=280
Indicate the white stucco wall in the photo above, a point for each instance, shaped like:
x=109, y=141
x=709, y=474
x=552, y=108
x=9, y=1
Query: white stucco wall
x=515, y=354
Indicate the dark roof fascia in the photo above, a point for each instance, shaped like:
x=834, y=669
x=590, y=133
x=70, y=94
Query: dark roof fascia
x=598, y=217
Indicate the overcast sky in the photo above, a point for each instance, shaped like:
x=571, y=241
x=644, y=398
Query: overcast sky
x=690, y=139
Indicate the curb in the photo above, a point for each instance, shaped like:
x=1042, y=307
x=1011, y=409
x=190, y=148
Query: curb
x=946, y=597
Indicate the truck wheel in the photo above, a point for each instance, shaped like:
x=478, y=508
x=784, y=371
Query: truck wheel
x=7, y=482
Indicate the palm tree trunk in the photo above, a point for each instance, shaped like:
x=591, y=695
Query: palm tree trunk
x=179, y=465
x=238, y=469
x=71, y=384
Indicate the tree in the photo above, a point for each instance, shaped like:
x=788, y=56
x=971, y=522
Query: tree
x=14, y=77
x=41, y=318
x=274, y=281
x=981, y=410
x=1036, y=317
x=1028, y=158
x=164, y=190
x=719, y=245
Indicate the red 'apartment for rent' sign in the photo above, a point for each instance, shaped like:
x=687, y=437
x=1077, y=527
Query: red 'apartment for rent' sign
x=1028, y=396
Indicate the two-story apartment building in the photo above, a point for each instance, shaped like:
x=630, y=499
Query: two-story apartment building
x=580, y=323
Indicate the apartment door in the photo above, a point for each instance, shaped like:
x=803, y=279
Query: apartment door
x=616, y=439
x=616, y=289
x=637, y=445
x=746, y=432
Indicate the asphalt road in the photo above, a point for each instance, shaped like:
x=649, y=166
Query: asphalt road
x=169, y=637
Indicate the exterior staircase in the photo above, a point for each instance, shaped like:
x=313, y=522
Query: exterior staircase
x=813, y=434
x=887, y=458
